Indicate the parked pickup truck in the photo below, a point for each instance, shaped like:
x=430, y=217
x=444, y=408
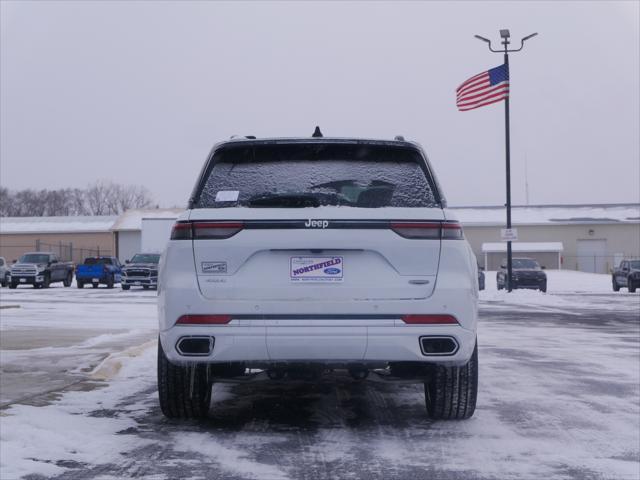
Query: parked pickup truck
x=99, y=270
x=40, y=269
x=141, y=271
x=626, y=275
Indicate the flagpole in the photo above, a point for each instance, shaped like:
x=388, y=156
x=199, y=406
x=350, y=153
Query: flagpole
x=504, y=34
x=507, y=138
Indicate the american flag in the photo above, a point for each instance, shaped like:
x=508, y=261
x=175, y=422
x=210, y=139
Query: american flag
x=483, y=89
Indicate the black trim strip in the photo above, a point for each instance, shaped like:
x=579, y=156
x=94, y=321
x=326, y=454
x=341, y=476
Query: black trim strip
x=316, y=317
x=332, y=224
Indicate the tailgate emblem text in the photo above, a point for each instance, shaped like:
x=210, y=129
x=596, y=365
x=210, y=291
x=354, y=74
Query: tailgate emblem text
x=316, y=223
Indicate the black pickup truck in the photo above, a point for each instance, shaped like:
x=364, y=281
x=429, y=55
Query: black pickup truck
x=40, y=269
x=626, y=275
x=526, y=273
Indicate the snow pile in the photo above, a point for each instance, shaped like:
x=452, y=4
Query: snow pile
x=41, y=440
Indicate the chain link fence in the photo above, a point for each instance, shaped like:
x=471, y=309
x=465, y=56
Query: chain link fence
x=66, y=252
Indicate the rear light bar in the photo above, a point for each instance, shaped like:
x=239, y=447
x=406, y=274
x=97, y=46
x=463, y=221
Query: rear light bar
x=439, y=319
x=429, y=230
x=203, y=320
x=205, y=230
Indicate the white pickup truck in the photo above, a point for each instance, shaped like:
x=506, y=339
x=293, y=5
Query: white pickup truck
x=301, y=256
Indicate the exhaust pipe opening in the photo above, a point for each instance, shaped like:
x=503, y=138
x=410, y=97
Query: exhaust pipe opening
x=438, y=345
x=195, y=346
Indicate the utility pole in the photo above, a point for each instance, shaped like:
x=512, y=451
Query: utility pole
x=505, y=35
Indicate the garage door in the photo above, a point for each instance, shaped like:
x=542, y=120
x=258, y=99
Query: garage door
x=592, y=256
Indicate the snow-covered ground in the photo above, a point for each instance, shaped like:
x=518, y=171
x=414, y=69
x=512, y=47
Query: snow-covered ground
x=559, y=398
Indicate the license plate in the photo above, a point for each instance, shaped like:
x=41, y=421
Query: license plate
x=96, y=280
x=23, y=280
x=136, y=283
x=316, y=269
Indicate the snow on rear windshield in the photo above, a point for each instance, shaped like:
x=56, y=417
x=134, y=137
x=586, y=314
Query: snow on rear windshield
x=315, y=175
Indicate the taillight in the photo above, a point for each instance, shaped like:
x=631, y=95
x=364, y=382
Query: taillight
x=428, y=230
x=181, y=231
x=203, y=320
x=205, y=230
x=434, y=319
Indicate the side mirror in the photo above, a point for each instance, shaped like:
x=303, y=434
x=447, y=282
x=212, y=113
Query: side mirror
x=14, y=261
x=127, y=261
x=543, y=267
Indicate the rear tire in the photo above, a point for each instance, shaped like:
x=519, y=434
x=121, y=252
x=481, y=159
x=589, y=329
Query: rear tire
x=616, y=287
x=67, y=281
x=125, y=287
x=543, y=287
x=451, y=392
x=95, y=285
x=631, y=285
x=79, y=284
x=185, y=392
x=110, y=282
x=13, y=285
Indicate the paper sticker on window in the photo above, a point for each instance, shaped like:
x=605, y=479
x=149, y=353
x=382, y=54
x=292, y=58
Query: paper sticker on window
x=227, y=196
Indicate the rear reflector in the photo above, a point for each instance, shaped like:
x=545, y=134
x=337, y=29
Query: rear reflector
x=428, y=230
x=430, y=319
x=205, y=230
x=203, y=320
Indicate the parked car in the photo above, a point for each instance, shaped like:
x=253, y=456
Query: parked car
x=626, y=275
x=141, y=271
x=297, y=256
x=480, y=278
x=99, y=270
x=40, y=269
x=526, y=273
x=4, y=272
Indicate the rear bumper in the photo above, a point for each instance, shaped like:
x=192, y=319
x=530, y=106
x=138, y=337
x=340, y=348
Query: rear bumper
x=259, y=342
x=260, y=345
x=89, y=279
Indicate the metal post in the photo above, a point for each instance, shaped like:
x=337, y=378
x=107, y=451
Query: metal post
x=505, y=35
x=508, y=168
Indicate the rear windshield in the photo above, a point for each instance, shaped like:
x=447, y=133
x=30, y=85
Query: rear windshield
x=313, y=175
x=97, y=261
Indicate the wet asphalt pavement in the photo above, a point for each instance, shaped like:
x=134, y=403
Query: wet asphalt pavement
x=559, y=398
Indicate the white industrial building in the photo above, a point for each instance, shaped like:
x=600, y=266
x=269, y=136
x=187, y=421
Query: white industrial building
x=143, y=230
x=591, y=238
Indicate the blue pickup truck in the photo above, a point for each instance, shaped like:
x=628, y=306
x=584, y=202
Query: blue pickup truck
x=97, y=270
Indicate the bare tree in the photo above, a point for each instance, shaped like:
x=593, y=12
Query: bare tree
x=97, y=195
x=100, y=198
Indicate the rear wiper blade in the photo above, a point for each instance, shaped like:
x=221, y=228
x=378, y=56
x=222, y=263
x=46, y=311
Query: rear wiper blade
x=291, y=200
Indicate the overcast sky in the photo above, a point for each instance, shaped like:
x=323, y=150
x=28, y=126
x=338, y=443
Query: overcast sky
x=138, y=92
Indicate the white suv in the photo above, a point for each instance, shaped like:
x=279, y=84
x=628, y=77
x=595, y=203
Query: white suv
x=301, y=256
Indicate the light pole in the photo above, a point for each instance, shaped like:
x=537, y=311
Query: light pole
x=505, y=35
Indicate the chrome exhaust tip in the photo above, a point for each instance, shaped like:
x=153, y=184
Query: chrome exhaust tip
x=195, y=346
x=438, y=346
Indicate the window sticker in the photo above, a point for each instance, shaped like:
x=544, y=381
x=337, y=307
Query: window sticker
x=227, y=196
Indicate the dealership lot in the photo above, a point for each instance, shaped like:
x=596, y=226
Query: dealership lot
x=559, y=398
